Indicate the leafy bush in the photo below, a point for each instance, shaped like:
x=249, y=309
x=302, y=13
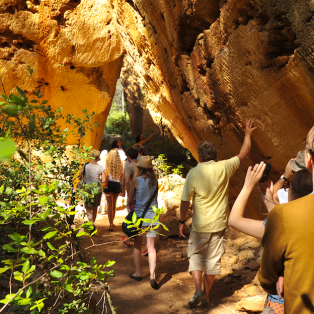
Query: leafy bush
x=117, y=122
x=52, y=246
x=42, y=244
x=170, y=148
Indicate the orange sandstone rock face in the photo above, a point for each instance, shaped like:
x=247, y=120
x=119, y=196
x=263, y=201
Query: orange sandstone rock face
x=206, y=65
x=74, y=49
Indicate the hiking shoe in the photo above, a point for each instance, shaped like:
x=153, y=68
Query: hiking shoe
x=197, y=298
x=154, y=284
x=125, y=243
x=205, y=303
x=145, y=253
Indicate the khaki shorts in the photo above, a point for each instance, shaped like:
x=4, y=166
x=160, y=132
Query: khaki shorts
x=206, y=248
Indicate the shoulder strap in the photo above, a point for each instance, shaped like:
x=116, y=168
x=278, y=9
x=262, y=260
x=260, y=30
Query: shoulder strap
x=150, y=201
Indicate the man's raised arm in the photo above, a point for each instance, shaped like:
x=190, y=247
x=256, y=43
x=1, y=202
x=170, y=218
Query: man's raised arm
x=246, y=147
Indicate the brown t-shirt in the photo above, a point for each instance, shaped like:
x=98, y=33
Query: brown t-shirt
x=130, y=170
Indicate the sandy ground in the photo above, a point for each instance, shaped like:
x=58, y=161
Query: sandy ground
x=130, y=297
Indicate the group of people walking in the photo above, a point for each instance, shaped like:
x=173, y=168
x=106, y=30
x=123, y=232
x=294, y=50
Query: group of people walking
x=286, y=234
x=125, y=173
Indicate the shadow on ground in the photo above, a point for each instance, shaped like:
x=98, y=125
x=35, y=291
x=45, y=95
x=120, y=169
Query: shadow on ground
x=130, y=296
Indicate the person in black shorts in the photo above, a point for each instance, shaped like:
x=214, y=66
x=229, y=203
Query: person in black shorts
x=114, y=175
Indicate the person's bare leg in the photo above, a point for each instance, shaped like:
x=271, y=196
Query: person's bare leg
x=197, y=278
x=137, y=255
x=109, y=198
x=199, y=294
x=152, y=256
x=94, y=209
x=145, y=241
x=89, y=214
x=209, y=280
x=114, y=204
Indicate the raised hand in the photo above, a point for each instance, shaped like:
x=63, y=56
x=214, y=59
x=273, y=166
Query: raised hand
x=288, y=171
x=249, y=127
x=253, y=175
x=267, y=190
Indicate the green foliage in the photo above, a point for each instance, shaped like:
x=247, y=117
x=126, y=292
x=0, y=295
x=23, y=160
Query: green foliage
x=178, y=170
x=33, y=183
x=64, y=274
x=164, y=170
x=117, y=122
x=7, y=147
x=161, y=165
x=153, y=223
x=41, y=143
x=166, y=144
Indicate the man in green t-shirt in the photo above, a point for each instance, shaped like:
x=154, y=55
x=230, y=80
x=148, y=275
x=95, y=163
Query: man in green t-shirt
x=207, y=185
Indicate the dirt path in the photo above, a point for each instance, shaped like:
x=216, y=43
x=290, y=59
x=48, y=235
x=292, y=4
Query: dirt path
x=130, y=297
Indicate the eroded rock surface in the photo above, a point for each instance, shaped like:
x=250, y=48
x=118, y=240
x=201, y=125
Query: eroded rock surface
x=206, y=66
x=74, y=49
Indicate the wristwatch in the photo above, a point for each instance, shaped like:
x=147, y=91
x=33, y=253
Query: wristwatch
x=182, y=222
x=283, y=177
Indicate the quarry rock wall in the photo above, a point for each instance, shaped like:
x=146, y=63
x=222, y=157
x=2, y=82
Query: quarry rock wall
x=206, y=65
x=137, y=100
x=76, y=58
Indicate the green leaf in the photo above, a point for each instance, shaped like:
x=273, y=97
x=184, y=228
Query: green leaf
x=65, y=267
x=81, y=233
x=43, y=188
x=18, y=276
x=51, y=247
x=21, y=93
x=28, y=222
x=4, y=269
x=69, y=288
x=9, y=248
x=46, y=213
x=50, y=235
x=38, y=192
x=31, y=270
x=101, y=275
x=29, y=292
x=134, y=217
x=17, y=100
x=146, y=220
x=43, y=200
x=46, y=228
x=7, y=149
x=26, y=266
x=110, y=263
x=29, y=250
x=7, y=298
x=41, y=253
x=34, y=101
x=23, y=301
x=45, y=101
x=56, y=274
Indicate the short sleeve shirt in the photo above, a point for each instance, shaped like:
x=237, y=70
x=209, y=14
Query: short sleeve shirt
x=130, y=170
x=207, y=185
x=93, y=172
